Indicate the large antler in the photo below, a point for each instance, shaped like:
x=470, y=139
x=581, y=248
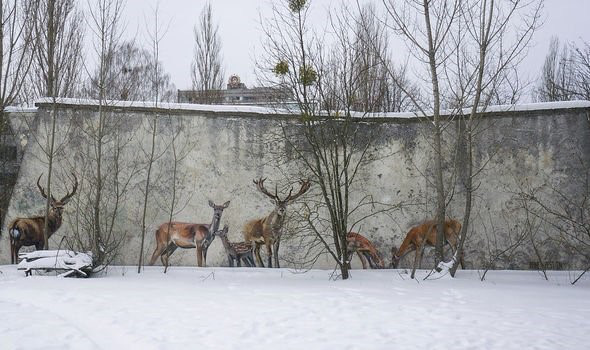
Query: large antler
x=260, y=185
x=42, y=190
x=69, y=195
x=305, y=185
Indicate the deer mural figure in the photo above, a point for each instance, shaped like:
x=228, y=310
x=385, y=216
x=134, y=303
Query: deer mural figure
x=29, y=231
x=172, y=235
x=425, y=235
x=240, y=251
x=365, y=250
x=267, y=230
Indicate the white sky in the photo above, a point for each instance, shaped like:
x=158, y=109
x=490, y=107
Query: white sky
x=240, y=31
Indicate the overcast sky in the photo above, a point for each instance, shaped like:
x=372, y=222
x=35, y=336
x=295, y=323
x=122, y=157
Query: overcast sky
x=239, y=29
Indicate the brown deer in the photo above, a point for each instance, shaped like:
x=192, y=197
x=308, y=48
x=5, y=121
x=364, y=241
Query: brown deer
x=240, y=251
x=267, y=230
x=29, y=231
x=425, y=235
x=170, y=236
x=365, y=250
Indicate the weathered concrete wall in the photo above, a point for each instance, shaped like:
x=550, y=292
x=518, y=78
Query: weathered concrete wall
x=222, y=151
x=12, y=144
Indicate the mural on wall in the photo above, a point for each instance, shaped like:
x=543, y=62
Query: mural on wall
x=31, y=231
x=425, y=235
x=366, y=251
x=172, y=235
x=237, y=252
x=267, y=231
x=529, y=160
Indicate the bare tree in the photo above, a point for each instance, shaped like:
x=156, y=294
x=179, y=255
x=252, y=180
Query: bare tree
x=156, y=34
x=557, y=74
x=426, y=27
x=129, y=71
x=174, y=188
x=464, y=48
x=104, y=182
x=582, y=71
x=59, y=30
x=56, y=70
x=487, y=26
x=206, y=70
x=561, y=207
x=371, y=41
x=327, y=140
x=566, y=73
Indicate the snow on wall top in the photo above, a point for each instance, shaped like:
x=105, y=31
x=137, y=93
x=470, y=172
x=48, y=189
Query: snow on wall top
x=241, y=109
x=166, y=105
x=17, y=109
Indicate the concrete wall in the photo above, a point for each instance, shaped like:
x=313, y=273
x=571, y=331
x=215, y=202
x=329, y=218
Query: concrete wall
x=223, y=150
x=11, y=152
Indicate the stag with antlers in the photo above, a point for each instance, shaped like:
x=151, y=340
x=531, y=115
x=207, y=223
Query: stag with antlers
x=425, y=235
x=29, y=231
x=267, y=230
x=171, y=235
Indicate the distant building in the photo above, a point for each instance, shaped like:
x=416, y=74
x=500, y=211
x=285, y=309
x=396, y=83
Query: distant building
x=238, y=93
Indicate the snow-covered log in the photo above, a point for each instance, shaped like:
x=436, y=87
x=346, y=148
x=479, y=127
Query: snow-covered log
x=72, y=263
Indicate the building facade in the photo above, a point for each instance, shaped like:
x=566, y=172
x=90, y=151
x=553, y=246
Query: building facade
x=237, y=93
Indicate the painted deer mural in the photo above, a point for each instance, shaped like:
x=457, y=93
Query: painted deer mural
x=425, y=235
x=365, y=250
x=170, y=236
x=238, y=252
x=267, y=230
x=29, y=231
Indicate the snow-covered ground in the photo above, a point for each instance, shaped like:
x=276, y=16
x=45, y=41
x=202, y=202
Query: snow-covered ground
x=223, y=308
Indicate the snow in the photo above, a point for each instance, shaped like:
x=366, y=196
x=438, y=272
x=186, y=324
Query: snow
x=66, y=260
x=527, y=107
x=167, y=105
x=20, y=109
x=252, y=308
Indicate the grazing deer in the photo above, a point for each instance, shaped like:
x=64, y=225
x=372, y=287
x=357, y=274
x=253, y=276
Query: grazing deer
x=241, y=251
x=267, y=230
x=171, y=235
x=425, y=234
x=364, y=249
x=29, y=231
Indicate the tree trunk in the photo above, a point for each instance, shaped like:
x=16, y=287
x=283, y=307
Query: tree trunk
x=51, y=93
x=468, y=184
x=146, y=194
x=438, y=170
x=49, y=176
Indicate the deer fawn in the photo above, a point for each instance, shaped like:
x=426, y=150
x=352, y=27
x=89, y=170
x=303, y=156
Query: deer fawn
x=241, y=251
x=29, y=231
x=425, y=235
x=171, y=235
x=267, y=230
x=364, y=249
